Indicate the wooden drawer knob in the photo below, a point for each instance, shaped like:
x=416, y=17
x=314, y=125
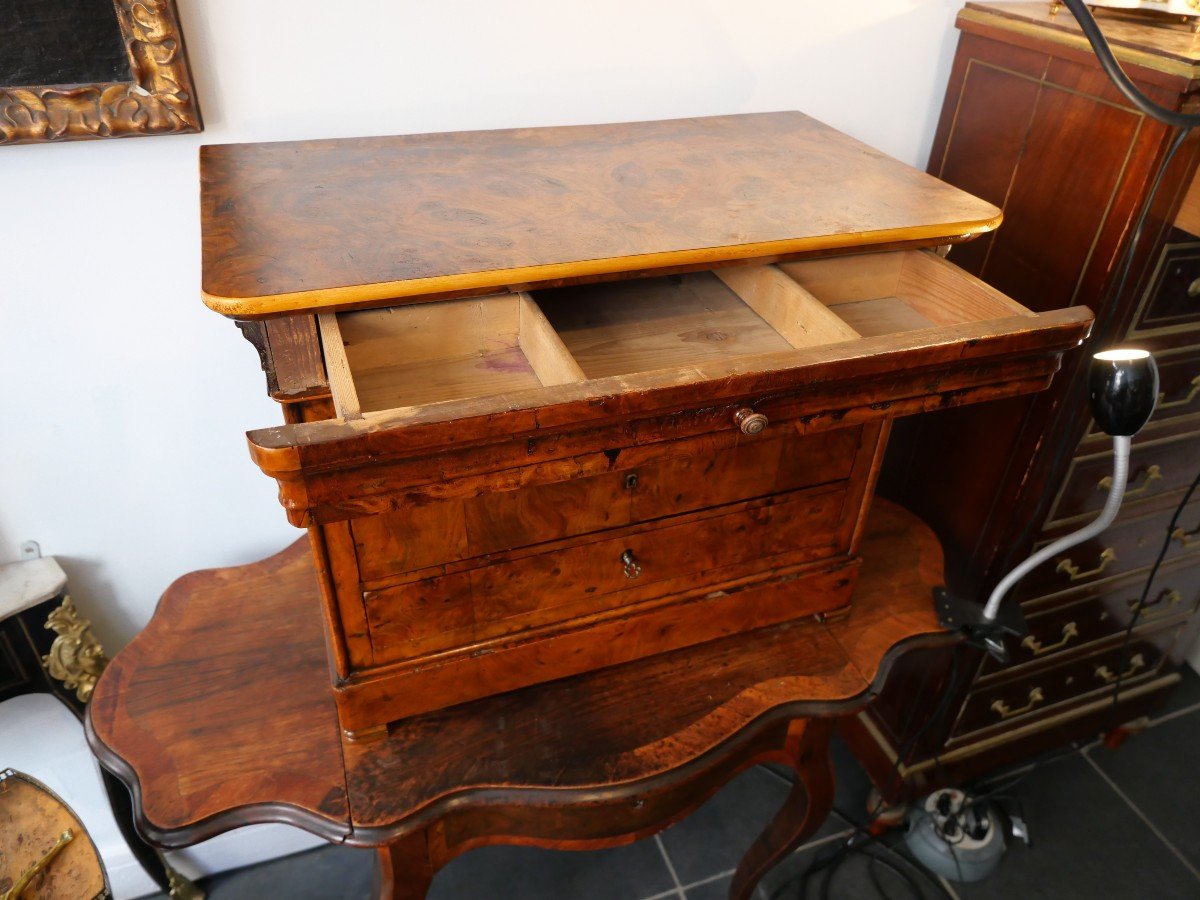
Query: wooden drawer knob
x=750, y=421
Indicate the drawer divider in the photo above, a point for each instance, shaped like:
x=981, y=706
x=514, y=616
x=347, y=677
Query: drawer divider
x=337, y=368
x=548, y=356
x=802, y=319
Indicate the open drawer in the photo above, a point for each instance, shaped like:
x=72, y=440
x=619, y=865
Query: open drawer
x=483, y=384
x=418, y=355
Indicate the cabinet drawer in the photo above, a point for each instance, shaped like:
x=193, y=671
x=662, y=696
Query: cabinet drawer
x=1015, y=702
x=451, y=530
x=1156, y=467
x=1130, y=544
x=471, y=607
x=1096, y=616
x=463, y=388
x=1173, y=298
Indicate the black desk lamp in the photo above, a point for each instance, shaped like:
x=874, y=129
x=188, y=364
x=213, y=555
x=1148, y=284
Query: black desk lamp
x=1122, y=391
x=1122, y=384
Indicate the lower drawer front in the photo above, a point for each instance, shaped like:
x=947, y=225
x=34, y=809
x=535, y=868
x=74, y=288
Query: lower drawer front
x=458, y=529
x=1015, y=702
x=1156, y=467
x=1099, y=615
x=1170, y=300
x=1131, y=544
x=472, y=607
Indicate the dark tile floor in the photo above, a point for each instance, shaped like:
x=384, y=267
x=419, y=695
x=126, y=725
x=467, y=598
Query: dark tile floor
x=1117, y=825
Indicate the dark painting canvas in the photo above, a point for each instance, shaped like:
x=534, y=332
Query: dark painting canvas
x=44, y=42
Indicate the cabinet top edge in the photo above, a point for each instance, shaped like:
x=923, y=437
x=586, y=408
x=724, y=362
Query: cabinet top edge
x=1169, y=48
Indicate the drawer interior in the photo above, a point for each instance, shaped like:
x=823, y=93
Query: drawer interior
x=409, y=356
x=888, y=293
x=456, y=349
x=618, y=328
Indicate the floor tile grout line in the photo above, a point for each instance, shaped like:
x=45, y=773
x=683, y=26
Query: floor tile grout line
x=680, y=888
x=781, y=777
x=1024, y=770
x=710, y=878
x=662, y=848
x=670, y=894
x=1141, y=815
x=1175, y=714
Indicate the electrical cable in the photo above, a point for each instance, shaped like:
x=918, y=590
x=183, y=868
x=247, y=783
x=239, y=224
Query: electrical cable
x=1116, y=74
x=1122, y=658
x=1109, y=305
x=878, y=861
x=1184, y=123
x=938, y=715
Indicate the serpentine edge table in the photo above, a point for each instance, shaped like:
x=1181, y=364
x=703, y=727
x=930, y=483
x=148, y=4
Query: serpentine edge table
x=219, y=714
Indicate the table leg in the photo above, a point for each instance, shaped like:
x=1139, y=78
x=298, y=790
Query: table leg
x=806, y=807
x=405, y=870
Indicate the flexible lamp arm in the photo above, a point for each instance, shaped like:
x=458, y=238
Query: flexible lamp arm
x=1114, y=71
x=1111, y=506
x=1122, y=393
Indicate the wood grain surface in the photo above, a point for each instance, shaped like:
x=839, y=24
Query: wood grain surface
x=226, y=697
x=219, y=714
x=1159, y=44
x=33, y=820
x=342, y=223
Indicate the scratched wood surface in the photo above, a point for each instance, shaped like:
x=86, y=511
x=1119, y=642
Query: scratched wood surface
x=351, y=222
x=216, y=719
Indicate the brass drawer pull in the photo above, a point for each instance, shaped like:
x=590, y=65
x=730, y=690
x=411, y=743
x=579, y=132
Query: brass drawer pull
x=749, y=421
x=1185, y=538
x=26, y=879
x=1037, y=648
x=1000, y=708
x=1153, y=473
x=1164, y=605
x=1183, y=401
x=1065, y=567
x=1193, y=289
x=1105, y=674
x=632, y=569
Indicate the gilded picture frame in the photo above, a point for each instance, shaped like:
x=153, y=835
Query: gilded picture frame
x=157, y=98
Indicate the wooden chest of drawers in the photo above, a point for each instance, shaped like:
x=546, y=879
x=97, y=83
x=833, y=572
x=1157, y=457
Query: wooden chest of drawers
x=616, y=405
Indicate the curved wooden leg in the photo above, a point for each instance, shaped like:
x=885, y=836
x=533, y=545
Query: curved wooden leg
x=805, y=809
x=406, y=869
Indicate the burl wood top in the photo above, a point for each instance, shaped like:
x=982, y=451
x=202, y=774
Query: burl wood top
x=355, y=222
x=1159, y=44
x=219, y=713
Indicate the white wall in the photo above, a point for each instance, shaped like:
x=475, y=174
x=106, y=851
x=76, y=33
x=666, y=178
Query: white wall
x=124, y=401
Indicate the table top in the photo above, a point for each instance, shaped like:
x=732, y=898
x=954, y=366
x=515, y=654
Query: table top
x=334, y=224
x=219, y=713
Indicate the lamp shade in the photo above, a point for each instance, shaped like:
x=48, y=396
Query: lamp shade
x=1122, y=390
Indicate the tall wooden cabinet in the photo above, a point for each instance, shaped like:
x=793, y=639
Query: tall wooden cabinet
x=1031, y=123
